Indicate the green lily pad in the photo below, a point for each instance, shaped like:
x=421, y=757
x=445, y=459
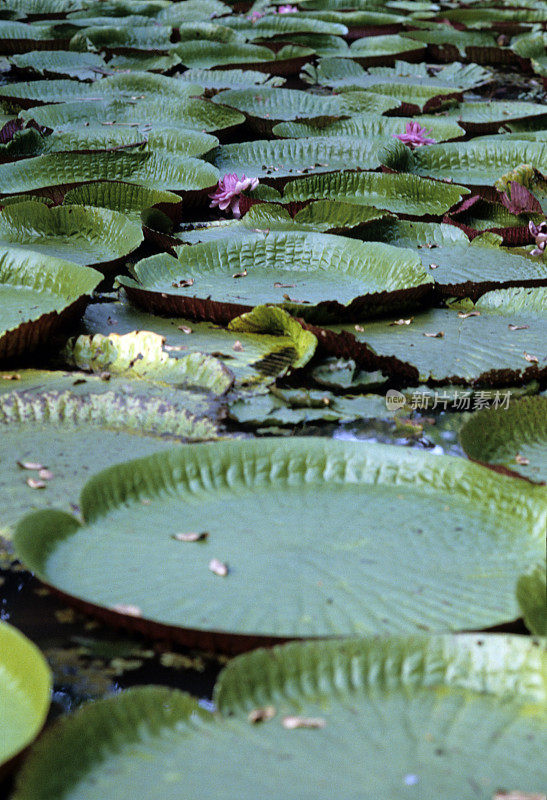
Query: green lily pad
x=25, y=687
x=402, y=194
x=460, y=267
x=370, y=125
x=327, y=216
x=141, y=85
x=531, y=592
x=384, y=50
x=514, y=437
x=76, y=233
x=292, y=407
x=206, y=54
x=84, y=66
x=218, y=79
x=141, y=354
x=273, y=104
x=344, y=375
x=278, y=159
x=474, y=163
x=153, y=170
x=311, y=274
x=501, y=345
x=192, y=112
x=71, y=423
x=471, y=700
x=126, y=198
x=94, y=136
x=485, y=116
x=294, y=512
x=39, y=294
x=286, y=25
x=271, y=342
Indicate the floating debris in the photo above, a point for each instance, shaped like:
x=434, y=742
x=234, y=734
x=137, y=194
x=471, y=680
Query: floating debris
x=261, y=714
x=218, y=567
x=191, y=536
x=291, y=723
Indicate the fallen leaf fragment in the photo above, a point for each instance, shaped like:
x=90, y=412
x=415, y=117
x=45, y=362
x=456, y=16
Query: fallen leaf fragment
x=402, y=321
x=128, y=609
x=517, y=327
x=290, y=723
x=34, y=465
x=518, y=796
x=183, y=283
x=218, y=567
x=185, y=328
x=278, y=285
x=465, y=314
x=261, y=714
x=522, y=460
x=240, y=274
x=433, y=266
x=438, y=335
x=531, y=359
x=193, y=536
x=238, y=347
x=34, y=484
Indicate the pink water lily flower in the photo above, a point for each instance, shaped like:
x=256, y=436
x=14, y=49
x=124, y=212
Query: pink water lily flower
x=414, y=135
x=228, y=191
x=287, y=9
x=255, y=16
x=539, y=232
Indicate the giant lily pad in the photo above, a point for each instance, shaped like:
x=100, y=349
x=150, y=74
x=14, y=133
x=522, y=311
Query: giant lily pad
x=69, y=423
x=141, y=354
x=471, y=700
x=315, y=275
x=77, y=233
x=293, y=512
x=176, y=141
x=38, y=295
x=402, y=194
x=272, y=104
x=153, y=170
x=135, y=85
x=206, y=54
x=84, y=66
x=531, y=592
x=278, y=159
x=230, y=78
x=488, y=117
x=370, y=125
x=271, y=342
x=458, y=266
x=478, y=162
x=128, y=198
x=193, y=112
x=385, y=50
x=25, y=686
x=514, y=437
x=496, y=341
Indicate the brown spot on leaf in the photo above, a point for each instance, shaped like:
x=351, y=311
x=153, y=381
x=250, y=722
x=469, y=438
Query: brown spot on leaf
x=261, y=714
